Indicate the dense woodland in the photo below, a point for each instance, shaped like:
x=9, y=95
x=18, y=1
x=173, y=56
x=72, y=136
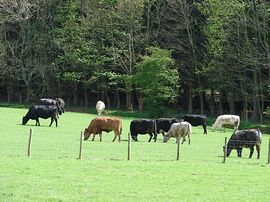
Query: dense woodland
x=193, y=56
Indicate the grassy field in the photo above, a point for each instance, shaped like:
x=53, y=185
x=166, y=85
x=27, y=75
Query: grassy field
x=53, y=173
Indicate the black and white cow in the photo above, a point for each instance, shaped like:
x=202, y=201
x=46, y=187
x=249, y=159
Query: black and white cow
x=164, y=124
x=41, y=111
x=143, y=126
x=245, y=138
x=196, y=120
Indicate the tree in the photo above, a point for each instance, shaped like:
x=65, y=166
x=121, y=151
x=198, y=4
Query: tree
x=158, y=79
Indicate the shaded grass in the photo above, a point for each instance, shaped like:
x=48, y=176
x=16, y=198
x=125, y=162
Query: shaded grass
x=53, y=173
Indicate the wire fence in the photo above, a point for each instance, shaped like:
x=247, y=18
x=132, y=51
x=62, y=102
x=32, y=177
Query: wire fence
x=100, y=151
x=240, y=144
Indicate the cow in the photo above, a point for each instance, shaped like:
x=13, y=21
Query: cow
x=245, y=138
x=107, y=124
x=181, y=129
x=196, y=120
x=59, y=102
x=228, y=119
x=143, y=126
x=41, y=111
x=163, y=124
x=100, y=107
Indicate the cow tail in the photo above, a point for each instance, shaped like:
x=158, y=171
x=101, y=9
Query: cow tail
x=155, y=127
x=260, y=136
x=189, y=133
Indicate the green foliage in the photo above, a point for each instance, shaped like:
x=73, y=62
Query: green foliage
x=157, y=79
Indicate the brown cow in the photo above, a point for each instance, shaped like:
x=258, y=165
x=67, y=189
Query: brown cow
x=107, y=124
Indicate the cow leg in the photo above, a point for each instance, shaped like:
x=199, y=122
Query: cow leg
x=55, y=122
x=37, y=122
x=151, y=135
x=155, y=137
x=258, y=148
x=251, y=151
x=204, y=128
x=114, y=137
x=51, y=121
x=184, y=139
x=119, y=138
x=93, y=136
x=100, y=136
x=239, y=152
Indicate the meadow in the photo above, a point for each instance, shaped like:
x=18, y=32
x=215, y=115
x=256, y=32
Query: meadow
x=54, y=172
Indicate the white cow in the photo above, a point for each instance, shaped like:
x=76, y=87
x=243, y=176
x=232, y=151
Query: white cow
x=181, y=129
x=100, y=107
x=226, y=119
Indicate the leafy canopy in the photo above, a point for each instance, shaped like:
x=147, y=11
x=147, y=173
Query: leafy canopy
x=157, y=79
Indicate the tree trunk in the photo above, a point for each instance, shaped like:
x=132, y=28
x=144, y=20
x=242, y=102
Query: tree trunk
x=201, y=101
x=212, y=103
x=118, y=103
x=190, y=106
x=244, y=100
x=230, y=99
x=85, y=99
x=75, y=96
x=220, y=108
x=140, y=101
x=256, y=99
x=107, y=99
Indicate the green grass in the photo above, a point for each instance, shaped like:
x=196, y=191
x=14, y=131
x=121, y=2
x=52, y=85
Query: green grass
x=53, y=173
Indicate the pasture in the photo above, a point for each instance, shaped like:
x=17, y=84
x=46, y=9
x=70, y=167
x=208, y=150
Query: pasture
x=53, y=173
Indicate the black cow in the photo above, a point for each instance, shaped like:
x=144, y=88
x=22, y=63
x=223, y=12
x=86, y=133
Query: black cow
x=196, y=120
x=59, y=102
x=164, y=124
x=143, y=126
x=41, y=111
x=245, y=138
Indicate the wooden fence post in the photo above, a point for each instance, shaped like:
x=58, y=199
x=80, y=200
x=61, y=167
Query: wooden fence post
x=29, y=144
x=225, y=150
x=129, y=146
x=269, y=152
x=81, y=146
x=178, y=148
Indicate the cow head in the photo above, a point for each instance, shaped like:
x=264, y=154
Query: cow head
x=86, y=134
x=166, y=137
x=24, y=120
x=134, y=138
x=232, y=144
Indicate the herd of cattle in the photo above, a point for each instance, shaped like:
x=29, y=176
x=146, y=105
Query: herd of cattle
x=169, y=127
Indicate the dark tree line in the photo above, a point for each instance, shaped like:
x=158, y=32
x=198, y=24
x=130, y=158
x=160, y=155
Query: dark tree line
x=204, y=56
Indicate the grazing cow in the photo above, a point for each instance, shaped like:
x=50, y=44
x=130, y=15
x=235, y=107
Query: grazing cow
x=164, y=124
x=41, y=111
x=59, y=102
x=224, y=120
x=196, y=120
x=245, y=138
x=107, y=124
x=181, y=129
x=100, y=107
x=143, y=126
